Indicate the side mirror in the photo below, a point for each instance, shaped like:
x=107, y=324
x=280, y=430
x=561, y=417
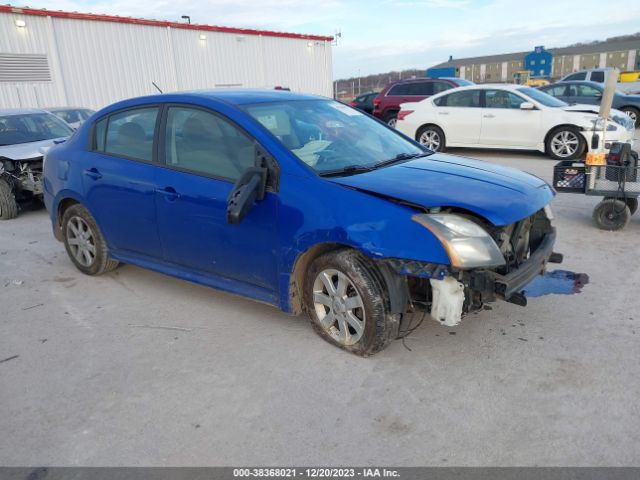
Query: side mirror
x=527, y=106
x=249, y=189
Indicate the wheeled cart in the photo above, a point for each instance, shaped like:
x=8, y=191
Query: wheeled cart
x=618, y=182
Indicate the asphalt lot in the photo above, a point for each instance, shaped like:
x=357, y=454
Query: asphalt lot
x=136, y=368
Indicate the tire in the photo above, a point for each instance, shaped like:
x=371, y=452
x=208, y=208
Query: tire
x=632, y=203
x=390, y=119
x=634, y=113
x=430, y=134
x=565, y=143
x=81, y=233
x=611, y=215
x=8, y=204
x=343, y=290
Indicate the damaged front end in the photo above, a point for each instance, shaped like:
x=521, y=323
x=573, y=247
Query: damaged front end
x=487, y=263
x=23, y=176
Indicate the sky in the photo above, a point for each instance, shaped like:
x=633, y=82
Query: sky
x=389, y=35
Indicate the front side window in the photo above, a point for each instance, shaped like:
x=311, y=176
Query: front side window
x=502, y=99
x=32, y=127
x=466, y=98
x=204, y=143
x=329, y=136
x=128, y=134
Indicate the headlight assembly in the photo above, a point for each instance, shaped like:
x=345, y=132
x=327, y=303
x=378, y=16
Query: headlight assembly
x=598, y=124
x=467, y=244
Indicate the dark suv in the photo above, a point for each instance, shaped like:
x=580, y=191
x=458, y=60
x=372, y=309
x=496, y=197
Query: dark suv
x=387, y=104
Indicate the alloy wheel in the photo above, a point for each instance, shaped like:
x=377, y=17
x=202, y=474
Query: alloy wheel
x=392, y=122
x=81, y=242
x=339, y=306
x=431, y=140
x=565, y=143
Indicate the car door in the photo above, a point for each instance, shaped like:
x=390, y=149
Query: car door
x=458, y=114
x=505, y=124
x=202, y=155
x=118, y=177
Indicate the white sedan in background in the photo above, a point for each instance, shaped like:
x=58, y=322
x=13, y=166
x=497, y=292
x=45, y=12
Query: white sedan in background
x=509, y=116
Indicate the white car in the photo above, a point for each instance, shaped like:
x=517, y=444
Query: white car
x=509, y=116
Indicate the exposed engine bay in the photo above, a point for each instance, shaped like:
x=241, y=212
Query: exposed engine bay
x=24, y=176
x=448, y=293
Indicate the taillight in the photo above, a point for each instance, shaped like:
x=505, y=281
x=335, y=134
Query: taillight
x=353, y=104
x=403, y=113
x=376, y=102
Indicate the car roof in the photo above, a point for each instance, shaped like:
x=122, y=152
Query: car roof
x=242, y=96
x=7, y=112
x=487, y=86
x=58, y=109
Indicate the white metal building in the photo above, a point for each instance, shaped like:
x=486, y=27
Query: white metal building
x=53, y=58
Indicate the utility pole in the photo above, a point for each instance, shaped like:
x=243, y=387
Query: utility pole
x=359, y=90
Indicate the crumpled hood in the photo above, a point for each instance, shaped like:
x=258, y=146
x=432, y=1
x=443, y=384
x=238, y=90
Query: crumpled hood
x=502, y=195
x=25, y=151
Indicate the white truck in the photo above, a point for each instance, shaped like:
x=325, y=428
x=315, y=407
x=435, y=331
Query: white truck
x=599, y=75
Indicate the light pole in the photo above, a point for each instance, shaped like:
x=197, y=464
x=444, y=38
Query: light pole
x=187, y=18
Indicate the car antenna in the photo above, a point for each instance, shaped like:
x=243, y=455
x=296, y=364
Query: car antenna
x=154, y=84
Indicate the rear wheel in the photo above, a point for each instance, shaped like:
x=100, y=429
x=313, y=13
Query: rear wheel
x=634, y=113
x=8, y=204
x=611, y=214
x=84, y=242
x=431, y=137
x=565, y=143
x=632, y=203
x=391, y=118
x=346, y=303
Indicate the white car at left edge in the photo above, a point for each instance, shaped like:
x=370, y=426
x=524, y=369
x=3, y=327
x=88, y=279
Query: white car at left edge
x=510, y=117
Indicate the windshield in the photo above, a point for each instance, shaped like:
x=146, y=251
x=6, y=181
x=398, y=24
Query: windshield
x=331, y=137
x=541, y=97
x=32, y=127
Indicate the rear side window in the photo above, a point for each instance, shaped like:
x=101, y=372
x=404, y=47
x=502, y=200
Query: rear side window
x=441, y=87
x=468, y=98
x=402, y=89
x=597, y=77
x=577, y=76
x=557, y=91
x=422, y=89
x=128, y=134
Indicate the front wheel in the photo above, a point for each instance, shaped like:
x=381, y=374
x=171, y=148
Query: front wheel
x=565, y=143
x=634, y=113
x=84, y=242
x=8, y=204
x=611, y=214
x=431, y=137
x=346, y=303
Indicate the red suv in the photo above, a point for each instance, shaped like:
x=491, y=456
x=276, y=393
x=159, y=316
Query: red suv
x=387, y=104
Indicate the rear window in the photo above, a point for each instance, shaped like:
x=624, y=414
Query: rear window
x=577, y=76
x=597, y=77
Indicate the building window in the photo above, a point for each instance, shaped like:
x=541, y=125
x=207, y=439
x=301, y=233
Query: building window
x=533, y=62
x=542, y=62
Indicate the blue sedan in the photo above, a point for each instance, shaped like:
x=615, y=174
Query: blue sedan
x=300, y=202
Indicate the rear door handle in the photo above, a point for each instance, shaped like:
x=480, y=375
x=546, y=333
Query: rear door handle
x=443, y=113
x=169, y=193
x=93, y=173
x=488, y=115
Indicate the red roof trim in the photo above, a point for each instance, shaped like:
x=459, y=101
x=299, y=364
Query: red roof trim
x=156, y=23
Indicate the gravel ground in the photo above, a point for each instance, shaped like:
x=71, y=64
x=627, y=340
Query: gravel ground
x=137, y=368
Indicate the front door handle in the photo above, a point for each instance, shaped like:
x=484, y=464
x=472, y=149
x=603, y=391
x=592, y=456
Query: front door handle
x=488, y=115
x=93, y=173
x=169, y=193
x=443, y=113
